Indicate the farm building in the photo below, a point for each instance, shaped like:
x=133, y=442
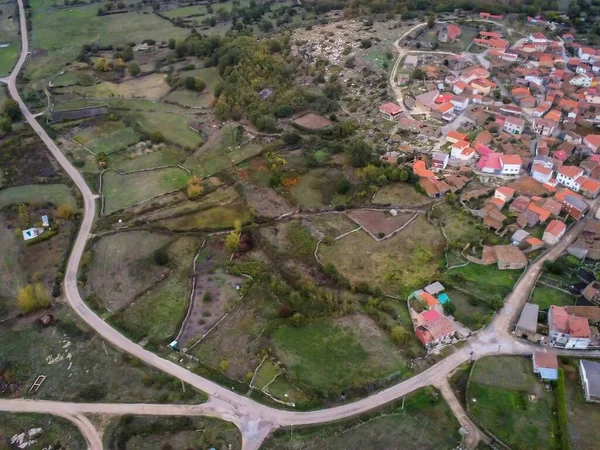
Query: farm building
x=589, y=371
x=527, y=324
x=545, y=365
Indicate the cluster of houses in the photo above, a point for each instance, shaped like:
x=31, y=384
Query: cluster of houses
x=431, y=326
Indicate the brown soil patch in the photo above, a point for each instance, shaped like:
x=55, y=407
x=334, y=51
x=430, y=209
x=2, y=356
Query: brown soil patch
x=527, y=186
x=376, y=222
x=265, y=201
x=313, y=121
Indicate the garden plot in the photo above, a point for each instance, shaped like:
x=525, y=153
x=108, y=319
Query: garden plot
x=329, y=357
x=508, y=399
x=331, y=224
x=151, y=87
x=215, y=218
x=215, y=294
x=400, y=194
x=312, y=122
x=122, y=191
x=381, y=224
x=37, y=194
x=265, y=201
x=123, y=266
x=318, y=188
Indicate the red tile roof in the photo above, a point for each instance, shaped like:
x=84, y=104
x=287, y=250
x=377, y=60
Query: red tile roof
x=511, y=159
x=506, y=191
x=555, y=227
x=570, y=171
x=390, y=108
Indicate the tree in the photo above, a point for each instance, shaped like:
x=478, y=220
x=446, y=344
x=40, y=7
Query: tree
x=417, y=74
x=449, y=308
x=232, y=241
x=65, y=211
x=33, y=297
x=172, y=44
x=359, y=151
x=5, y=124
x=400, y=335
x=101, y=65
x=10, y=108
x=190, y=83
x=366, y=43
x=194, y=187
x=350, y=63
x=431, y=20
x=161, y=257
x=133, y=69
x=156, y=137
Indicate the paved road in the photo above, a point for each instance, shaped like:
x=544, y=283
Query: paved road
x=255, y=420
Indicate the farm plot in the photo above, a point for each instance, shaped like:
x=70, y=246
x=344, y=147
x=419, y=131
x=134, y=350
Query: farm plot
x=151, y=87
x=400, y=194
x=265, y=201
x=215, y=294
x=55, y=432
x=545, y=297
x=329, y=357
x=216, y=218
x=232, y=347
x=158, y=313
x=484, y=282
x=583, y=416
x=142, y=157
x=380, y=224
x=121, y=191
x=37, y=194
x=174, y=127
x=10, y=45
x=312, y=121
x=59, y=33
x=331, y=224
x=402, y=263
x=422, y=421
x=80, y=366
x=318, y=188
x=126, y=259
x=11, y=276
x=507, y=398
x=151, y=433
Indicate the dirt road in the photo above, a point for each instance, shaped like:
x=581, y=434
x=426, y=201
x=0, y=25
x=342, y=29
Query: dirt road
x=254, y=420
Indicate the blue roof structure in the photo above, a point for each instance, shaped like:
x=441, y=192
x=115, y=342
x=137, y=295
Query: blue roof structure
x=443, y=298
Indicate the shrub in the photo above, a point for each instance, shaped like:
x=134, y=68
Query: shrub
x=161, y=257
x=207, y=297
x=93, y=392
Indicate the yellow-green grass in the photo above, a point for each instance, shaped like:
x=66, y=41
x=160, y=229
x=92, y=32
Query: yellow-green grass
x=318, y=188
x=12, y=277
x=78, y=104
x=266, y=373
x=166, y=156
x=218, y=158
x=219, y=217
x=37, y=194
x=327, y=358
x=9, y=38
x=62, y=32
x=189, y=98
x=151, y=87
x=485, y=282
x=185, y=11
x=499, y=396
x=282, y=389
x=174, y=127
x=397, y=265
x=121, y=191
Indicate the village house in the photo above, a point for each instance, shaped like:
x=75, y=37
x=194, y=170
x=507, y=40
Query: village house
x=541, y=172
x=426, y=101
x=554, y=231
x=590, y=188
x=592, y=141
x=569, y=176
x=433, y=329
x=439, y=161
x=543, y=127
x=568, y=331
x=510, y=257
x=589, y=372
x=511, y=164
x=454, y=137
x=545, y=365
x=504, y=193
x=527, y=324
x=514, y=125
x=390, y=111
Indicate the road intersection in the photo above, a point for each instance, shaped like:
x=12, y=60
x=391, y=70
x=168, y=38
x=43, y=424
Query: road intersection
x=255, y=420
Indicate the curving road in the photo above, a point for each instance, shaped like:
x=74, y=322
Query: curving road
x=255, y=420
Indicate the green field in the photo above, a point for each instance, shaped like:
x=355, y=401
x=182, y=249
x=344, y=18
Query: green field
x=175, y=128
x=499, y=395
x=424, y=423
x=9, y=38
x=485, y=282
x=76, y=104
x=121, y=191
x=545, y=296
x=317, y=188
x=152, y=433
x=62, y=32
x=470, y=311
x=328, y=358
x=37, y=194
x=56, y=431
x=8, y=57
x=583, y=417
x=219, y=217
x=166, y=156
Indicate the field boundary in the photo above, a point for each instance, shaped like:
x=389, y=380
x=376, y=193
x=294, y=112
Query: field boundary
x=101, y=177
